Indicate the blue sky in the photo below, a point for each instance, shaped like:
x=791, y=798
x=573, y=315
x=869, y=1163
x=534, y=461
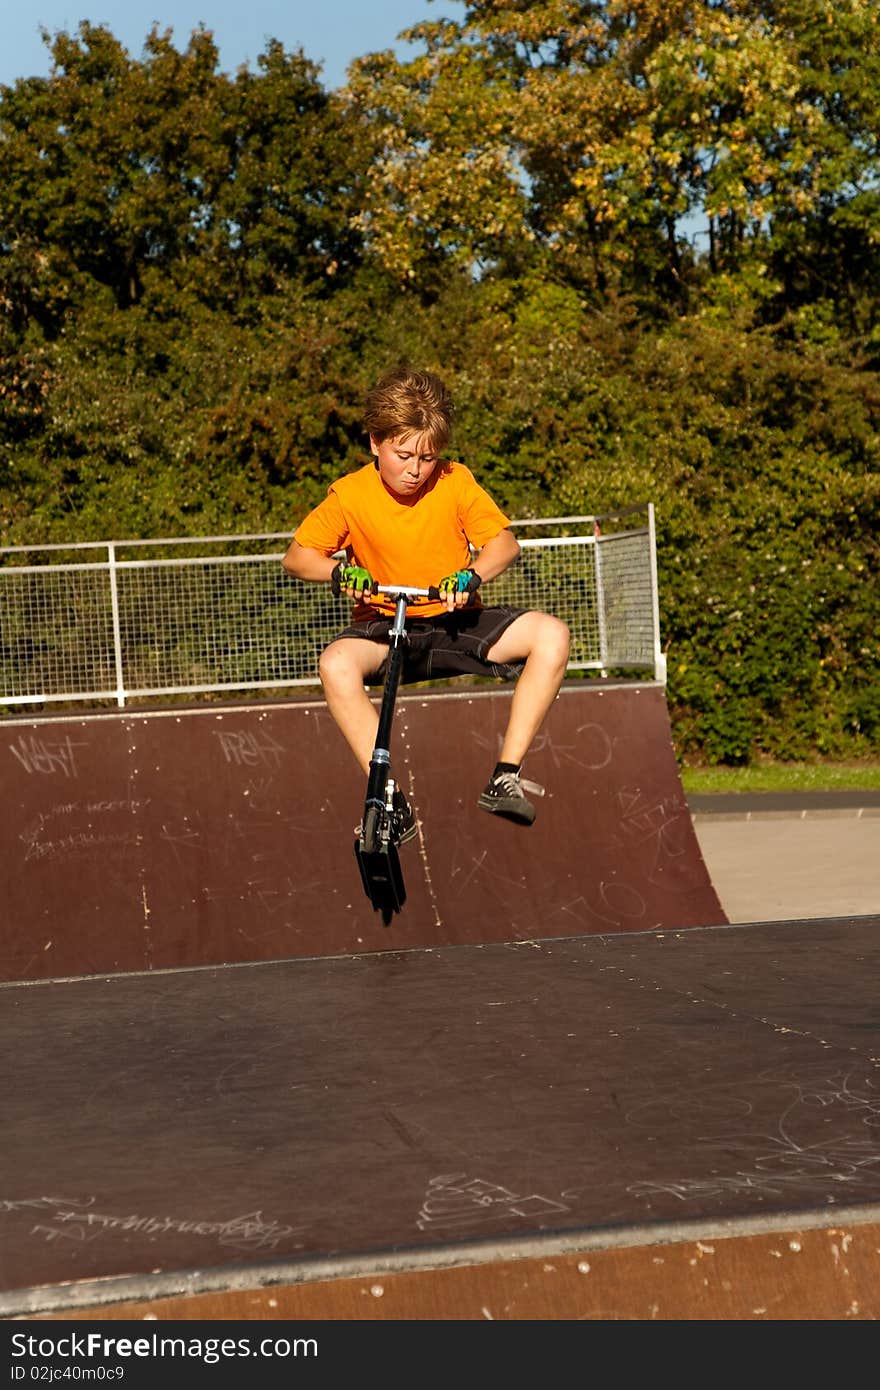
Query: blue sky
x=330, y=32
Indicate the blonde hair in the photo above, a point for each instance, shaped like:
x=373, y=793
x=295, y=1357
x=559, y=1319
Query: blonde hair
x=408, y=402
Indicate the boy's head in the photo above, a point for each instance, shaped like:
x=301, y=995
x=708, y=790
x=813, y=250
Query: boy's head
x=404, y=402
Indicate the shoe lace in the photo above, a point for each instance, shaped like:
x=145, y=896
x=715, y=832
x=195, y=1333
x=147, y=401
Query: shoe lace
x=513, y=784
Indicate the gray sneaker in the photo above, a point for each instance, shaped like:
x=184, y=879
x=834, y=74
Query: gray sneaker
x=504, y=795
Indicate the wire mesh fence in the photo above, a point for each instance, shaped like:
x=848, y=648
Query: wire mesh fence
x=125, y=620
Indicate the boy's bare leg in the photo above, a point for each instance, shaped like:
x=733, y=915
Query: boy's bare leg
x=544, y=643
x=344, y=668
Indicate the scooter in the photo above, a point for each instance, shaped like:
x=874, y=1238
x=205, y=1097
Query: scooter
x=375, y=847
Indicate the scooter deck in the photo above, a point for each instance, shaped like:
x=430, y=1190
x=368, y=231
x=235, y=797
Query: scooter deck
x=382, y=877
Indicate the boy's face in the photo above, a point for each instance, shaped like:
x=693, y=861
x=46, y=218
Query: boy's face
x=405, y=462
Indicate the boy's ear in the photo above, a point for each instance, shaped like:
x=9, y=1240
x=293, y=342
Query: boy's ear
x=374, y=445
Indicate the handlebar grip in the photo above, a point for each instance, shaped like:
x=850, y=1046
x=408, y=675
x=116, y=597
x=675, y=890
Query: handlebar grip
x=433, y=591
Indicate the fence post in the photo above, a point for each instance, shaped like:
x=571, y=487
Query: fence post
x=600, y=597
x=117, y=635
x=659, y=656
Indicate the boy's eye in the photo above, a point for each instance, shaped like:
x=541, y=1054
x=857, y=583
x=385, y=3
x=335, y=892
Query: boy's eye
x=423, y=458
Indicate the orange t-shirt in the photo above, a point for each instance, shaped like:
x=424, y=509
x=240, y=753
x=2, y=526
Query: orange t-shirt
x=412, y=541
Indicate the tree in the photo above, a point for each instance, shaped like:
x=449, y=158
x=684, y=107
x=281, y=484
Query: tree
x=824, y=239
x=167, y=167
x=591, y=131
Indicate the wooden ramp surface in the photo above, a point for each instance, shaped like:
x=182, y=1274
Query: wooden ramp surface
x=212, y=836
x=649, y=1124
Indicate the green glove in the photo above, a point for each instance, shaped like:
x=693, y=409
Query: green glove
x=460, y=582
x=355, y=577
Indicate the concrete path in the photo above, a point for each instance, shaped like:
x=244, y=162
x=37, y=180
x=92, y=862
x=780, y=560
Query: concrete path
x=778, y=857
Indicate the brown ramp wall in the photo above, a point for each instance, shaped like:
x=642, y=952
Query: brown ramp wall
x=220, y=835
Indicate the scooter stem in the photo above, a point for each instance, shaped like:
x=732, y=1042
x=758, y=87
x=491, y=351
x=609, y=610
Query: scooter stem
x=381, y=757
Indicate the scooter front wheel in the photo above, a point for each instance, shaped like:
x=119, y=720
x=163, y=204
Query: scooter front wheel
x=372, y=829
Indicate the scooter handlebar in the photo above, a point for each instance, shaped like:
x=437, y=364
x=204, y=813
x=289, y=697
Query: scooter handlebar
x=405, y=591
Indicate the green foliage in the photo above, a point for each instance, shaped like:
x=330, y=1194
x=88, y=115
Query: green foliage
x=167, y=167
x=201, y=276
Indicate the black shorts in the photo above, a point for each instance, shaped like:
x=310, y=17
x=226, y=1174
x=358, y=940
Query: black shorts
x=451, y=644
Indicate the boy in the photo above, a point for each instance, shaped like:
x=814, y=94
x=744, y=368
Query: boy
x=412, y=517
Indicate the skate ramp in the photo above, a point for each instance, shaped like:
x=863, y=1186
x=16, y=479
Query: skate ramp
x=559, y=1085
x=215, y=836
x=636, y=1125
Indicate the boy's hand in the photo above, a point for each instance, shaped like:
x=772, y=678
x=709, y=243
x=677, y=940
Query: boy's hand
x=352, y=580
x=457, y=589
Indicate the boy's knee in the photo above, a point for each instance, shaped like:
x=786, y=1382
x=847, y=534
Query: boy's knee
x=543, y=640
x=334, y=664
x=555, y=638
x=345, y=666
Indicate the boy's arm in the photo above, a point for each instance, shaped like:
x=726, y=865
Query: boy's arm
x=304, y=563
x=497, y=555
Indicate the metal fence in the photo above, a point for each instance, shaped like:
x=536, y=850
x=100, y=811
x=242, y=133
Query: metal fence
x=124, y=620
